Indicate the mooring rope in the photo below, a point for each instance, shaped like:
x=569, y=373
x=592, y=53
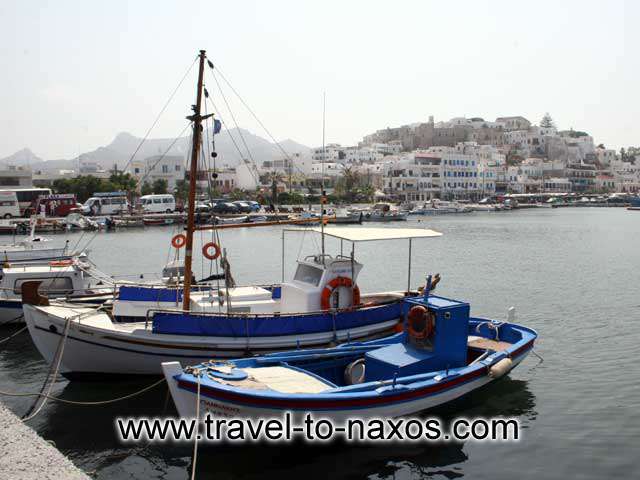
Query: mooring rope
x=50, y=379
x=77, y=402
x=14, y=334
x=195, y=443
x=11, y=320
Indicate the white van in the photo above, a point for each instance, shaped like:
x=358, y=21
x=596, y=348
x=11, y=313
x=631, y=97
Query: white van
x=108, y=203
x=164, y=203
x=9, y=205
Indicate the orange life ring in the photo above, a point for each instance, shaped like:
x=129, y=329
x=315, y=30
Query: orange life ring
x=421, y=322
x=207, y=246
x=335, y=283
x=179, y=241
x=61, y=263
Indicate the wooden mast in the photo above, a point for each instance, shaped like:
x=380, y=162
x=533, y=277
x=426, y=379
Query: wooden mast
x=193, y=173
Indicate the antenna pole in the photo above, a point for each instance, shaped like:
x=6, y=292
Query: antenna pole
x=196, y=118
x=323, y=198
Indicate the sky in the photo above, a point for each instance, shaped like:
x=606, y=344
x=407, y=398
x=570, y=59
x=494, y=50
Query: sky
x=76, y=73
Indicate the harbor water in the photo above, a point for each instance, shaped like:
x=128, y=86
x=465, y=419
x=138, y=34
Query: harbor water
x=572, y=274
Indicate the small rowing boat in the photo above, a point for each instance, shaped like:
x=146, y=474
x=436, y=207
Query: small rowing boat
x=442, y=355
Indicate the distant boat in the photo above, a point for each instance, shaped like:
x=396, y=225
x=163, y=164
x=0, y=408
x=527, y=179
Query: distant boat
x=383, y=212
x=231, y=220
x=152, y=221
x=345, y=217
x=31, y=249
x=440, y=207
x=72, y=279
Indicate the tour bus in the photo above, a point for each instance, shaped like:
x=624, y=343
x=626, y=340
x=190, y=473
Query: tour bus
x=106, y=203
x=28, y=198
x=9, y=205
x=164, y=203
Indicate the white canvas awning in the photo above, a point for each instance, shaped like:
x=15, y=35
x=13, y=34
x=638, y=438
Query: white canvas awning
x=368, y=234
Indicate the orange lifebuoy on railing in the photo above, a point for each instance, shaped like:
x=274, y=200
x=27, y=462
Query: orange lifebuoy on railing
x=179, y=241
x=421, y=322
x=207, y=247
x=335, y=283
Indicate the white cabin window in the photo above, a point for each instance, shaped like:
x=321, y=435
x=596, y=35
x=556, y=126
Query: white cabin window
x=308, y=274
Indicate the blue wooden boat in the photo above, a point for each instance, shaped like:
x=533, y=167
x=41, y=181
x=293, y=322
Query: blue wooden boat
x=442, y=355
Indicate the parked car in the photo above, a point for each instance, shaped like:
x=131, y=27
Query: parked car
x=224, y=207
x=243, y=207
x=202, y=207
x=255, y=206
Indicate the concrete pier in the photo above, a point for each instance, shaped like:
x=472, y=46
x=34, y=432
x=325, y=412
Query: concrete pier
x=24, y=455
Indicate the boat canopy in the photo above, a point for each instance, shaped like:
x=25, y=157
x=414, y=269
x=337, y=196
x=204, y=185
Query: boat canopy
x=367, y=234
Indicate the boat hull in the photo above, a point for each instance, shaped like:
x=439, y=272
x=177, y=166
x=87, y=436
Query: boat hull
x=218, y=402
x=96, y=345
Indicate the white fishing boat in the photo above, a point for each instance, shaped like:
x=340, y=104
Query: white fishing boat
x=319, y=306
x=440, y=207
x=73, y=279
x=384, y=212
x=32, y=248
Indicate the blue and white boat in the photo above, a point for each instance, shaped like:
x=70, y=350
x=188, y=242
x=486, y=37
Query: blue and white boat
x=442, y=355
x=319, y=307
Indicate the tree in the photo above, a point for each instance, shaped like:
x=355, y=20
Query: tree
x=146, y=189
x=547, y=121
x=124, y=182
x=159, y=186
x=181, y=190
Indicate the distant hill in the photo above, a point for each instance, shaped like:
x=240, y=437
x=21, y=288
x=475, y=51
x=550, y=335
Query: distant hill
x=120, y=150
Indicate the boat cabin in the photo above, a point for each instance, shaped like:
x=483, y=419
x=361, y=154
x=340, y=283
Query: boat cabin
x=59, y=279
x=303, y=294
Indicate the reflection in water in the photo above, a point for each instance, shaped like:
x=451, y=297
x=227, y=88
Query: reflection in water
x=93, y=440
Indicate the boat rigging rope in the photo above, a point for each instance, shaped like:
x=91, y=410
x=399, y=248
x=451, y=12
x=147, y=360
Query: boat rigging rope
x=235, y=122
x=144, y=139
x=284, y=152
x=92, y=403
x=14, y=334
x=164, y=154
x=50, y=379
x=195, y=443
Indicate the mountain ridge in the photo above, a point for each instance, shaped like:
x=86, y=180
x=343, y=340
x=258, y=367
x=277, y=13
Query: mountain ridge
x=230, y=146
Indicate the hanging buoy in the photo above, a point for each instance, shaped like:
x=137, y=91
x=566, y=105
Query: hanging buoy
x=209, y=246
x=179, y=241
x=421, y=322
x=325, y=303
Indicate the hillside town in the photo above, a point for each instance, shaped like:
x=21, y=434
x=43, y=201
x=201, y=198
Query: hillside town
x=470, y=158
x=459, y=159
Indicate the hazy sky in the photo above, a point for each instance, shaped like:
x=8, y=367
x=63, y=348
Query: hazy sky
x=75, y=73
